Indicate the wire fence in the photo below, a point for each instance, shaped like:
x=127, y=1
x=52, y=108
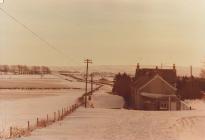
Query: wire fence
x=16, y=132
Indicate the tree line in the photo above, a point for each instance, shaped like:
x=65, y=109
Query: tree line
x=24, y=69
x=190, y=87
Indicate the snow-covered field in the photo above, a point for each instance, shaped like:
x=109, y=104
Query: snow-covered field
x=106, y=121
x=16, y=113
x=36, y=81
x=103, y=123
x=19, y=103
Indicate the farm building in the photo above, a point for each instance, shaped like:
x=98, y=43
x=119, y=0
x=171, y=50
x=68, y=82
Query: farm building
x=155, y=89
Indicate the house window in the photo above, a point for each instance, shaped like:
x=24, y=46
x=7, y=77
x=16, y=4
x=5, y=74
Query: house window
x=163, y=105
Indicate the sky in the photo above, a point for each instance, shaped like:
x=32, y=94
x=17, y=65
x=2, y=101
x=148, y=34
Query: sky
x=110, y=32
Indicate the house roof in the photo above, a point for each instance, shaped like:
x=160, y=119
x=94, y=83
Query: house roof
x=143, y=81
x=168, y=75
x=158, y=76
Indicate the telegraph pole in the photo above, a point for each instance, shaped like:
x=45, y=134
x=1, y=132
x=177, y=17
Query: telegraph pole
x=92, y=83
x=191, y=74
x=91, y=87
x=87, y=61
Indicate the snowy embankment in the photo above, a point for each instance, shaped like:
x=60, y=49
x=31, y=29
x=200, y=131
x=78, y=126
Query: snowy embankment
x=192, y=125
x=120, y=124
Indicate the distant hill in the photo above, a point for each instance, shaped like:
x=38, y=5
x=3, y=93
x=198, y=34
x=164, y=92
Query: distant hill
x=130, y=69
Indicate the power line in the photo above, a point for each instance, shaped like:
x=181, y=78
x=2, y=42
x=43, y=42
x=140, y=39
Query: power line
x=33, y=33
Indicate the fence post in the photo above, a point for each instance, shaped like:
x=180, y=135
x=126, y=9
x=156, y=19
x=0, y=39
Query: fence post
x=37, y=122
x=28, y=126
x=58, y=115
x=47, y=118
x=11, y=133
x=54, y=116
x=65, y=111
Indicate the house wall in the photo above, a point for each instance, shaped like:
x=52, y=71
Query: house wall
x=132, y=98
x=157, y=86
x=135, y=99
x=154, y=104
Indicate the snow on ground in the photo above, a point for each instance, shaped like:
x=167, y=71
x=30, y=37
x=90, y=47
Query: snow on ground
x=119, y=124
x=28, y=77
x=14, y=94
x=36, y=81
x=109, y=124
x=18, y=112
x=6, y=94
x=17, y=106
x=196, y=104
x=102, y=99
x=99, y=123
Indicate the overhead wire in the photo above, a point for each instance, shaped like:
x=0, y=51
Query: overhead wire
x=48, y=44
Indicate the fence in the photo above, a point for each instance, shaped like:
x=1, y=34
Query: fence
x=184, y=106
x=15, y=132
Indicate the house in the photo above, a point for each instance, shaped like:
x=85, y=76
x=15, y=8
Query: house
x=155, y=89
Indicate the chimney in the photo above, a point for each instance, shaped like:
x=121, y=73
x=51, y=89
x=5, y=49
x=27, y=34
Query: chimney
x=157, y=68
x=138, y=66
x=137, y=70
x=174, y=67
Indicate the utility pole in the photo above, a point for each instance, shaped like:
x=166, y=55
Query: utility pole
x=87, y=61
x=191, y=73
x=91, y=86
x=92, y=83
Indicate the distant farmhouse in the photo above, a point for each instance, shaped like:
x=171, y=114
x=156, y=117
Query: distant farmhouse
x=155, y=89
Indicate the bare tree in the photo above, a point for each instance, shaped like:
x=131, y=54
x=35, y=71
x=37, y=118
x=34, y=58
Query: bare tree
x=5, y=69
x=36, y=69
x=45, y=70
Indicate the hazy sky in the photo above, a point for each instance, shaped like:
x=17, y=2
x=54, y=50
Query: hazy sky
x=115, y=32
